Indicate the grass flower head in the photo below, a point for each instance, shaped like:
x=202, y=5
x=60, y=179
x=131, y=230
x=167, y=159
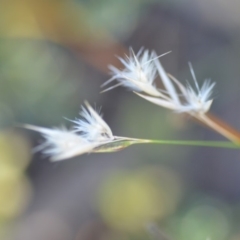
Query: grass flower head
x=60, y=143
x=139, y=73
x=90, y=134
x=199, y=100
x=92, y=127
x=180, y=98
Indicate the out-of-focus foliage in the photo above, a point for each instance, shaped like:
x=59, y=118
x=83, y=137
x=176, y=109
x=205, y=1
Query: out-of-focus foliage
x=15, y=187
x=202, y=217
x=130, y=199
x=202, y=221
x=118, y=17
x=54, y=54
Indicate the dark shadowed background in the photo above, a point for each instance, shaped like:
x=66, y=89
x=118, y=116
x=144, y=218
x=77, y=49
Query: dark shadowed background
x=54, y=55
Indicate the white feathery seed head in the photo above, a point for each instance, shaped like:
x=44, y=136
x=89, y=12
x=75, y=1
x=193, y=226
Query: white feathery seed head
x=60, y=143
x=198, y=100
x=180, y=98
x=138, y=74
x=88, y=133
x=92, y=127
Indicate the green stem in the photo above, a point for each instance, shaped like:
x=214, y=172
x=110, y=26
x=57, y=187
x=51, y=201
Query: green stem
x=218, y=144
x=123, y=142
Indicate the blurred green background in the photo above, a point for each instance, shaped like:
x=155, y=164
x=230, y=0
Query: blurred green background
x=54, y=55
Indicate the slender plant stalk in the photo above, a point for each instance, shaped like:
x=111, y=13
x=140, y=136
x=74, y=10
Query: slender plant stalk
x=218, y=144
x=126, y=142
x=219, y=126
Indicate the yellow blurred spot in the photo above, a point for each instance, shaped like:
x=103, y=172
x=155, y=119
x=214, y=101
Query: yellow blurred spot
x=15, y=150
x=55, y=20
x=128, y=200
x=15, y=188
x=18, y=19
x=14, y=196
